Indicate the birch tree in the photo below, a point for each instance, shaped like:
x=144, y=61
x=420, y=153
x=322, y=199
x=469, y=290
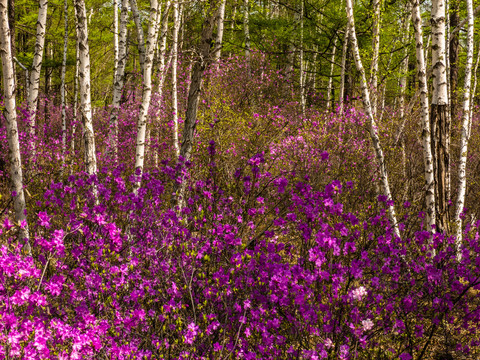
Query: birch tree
x=372, y=126
x=176, y=27
x=342, y=71
x=140, y=35
x=466, y=120
x=438, y=116
x=330, y=100
x=302, y=63
x=118, y=80
x=152, y=34
x=62, y=86
x=246, y=29
x=375, y=55
x=219, y=37
x=37, y=66
x=84, y=91
x=424, y=116
x=115, y=36
x=10, y=114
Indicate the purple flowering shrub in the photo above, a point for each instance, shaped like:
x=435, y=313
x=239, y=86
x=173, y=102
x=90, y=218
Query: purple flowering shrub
x=274, y=269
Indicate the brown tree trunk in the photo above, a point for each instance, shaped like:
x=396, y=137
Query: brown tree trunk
x=439, y=128
x=203, y=59
x=453, y=56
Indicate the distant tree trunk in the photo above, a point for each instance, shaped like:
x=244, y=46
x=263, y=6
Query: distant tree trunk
x=219, y=38
x=176, y=27
x=425, y=123
x=246, y=30
x=372, y=126
x=84, y=80
x=37, y=67
x=62, y=86
x=75, y=88
x=376, y=53
x=115, y=36
x=462, y=167
x=154, y=18
x=140, y=36
x=202, y=60
x=330, y=101
x=118, y=80
x=10, y=114
x=302, y=63
x=439, y=116
x=162, y=67
x=342, y=74
x=453, y=50
x=11, y=24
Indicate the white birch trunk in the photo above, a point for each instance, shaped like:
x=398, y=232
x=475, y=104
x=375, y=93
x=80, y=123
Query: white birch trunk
x=474, y=89
x=425, y=122
x=11, y=125
x=342, y=73
x=302, y=64
x=62, y=86
x=330, y=79
x=37, y=67
x=372, y=127
x=219, y=37
x=118, y=80
x=246, y=30
x=439, y=113
x=115, y=36
x=162, y=50
x=140, y=35
x=462, y=166
x=147, y=88
x=75, y=89
x=176, y=27
x=375, y=55
x=84, y=82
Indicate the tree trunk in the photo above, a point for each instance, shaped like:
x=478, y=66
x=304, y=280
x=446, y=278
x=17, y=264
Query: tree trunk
x=84, y=82
x=330, y=101
x=176, y=26
x=219, y=38
x=62, y=86
x=202, y=60
x=10, y=114
x=246, y=30
x=462, y=167
x=140, y=36
x=162, y=67
x=372, y=126
x=424, y=123
x=152, y=34
x=37, y=67
x=376, y=53
x=454, y=44
x=118, y=81
x=439, y=117
x=75, y=89
x=302, y=63
x=341, y=96
x=115, y=36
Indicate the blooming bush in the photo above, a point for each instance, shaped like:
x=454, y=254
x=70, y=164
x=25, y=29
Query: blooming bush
x=276, y=270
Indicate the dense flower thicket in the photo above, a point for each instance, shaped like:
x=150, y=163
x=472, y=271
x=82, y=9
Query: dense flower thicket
x=282, y=251
x=282, y=272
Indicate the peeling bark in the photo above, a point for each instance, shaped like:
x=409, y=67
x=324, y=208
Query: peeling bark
x=84, y=82
x=466, y=120
x=10, y=114
x=372, y=126
x=37, y=66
